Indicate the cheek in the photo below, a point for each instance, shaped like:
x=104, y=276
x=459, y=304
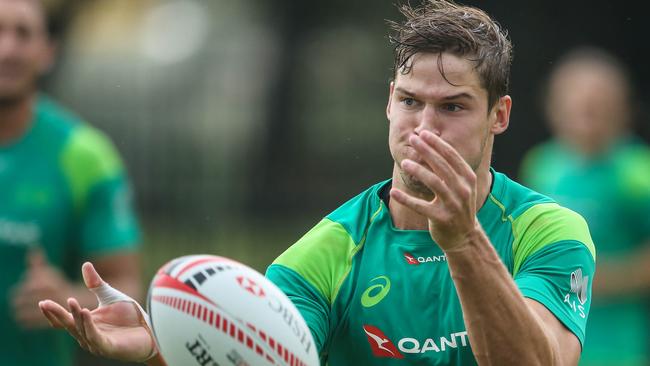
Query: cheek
x=468, y=141
x=398, y=135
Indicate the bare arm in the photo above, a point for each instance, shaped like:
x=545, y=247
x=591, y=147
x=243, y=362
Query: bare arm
x=505, y=328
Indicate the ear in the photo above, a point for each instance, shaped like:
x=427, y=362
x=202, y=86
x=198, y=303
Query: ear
x=391, y=87
x=500, y=115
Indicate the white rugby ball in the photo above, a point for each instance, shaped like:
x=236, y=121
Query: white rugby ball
x=208, y=310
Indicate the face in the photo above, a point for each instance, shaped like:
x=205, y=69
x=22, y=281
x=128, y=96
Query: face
x=588, y=105
x=25, y=51
x=456, y=109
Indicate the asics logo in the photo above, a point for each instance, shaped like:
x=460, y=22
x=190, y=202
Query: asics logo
x=375, y=293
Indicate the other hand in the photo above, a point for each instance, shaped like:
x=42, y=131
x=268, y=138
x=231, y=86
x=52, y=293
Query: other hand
x=118, y=330
x=41, y=281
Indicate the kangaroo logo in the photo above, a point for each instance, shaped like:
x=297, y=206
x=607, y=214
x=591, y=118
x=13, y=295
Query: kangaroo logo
x=380, y=344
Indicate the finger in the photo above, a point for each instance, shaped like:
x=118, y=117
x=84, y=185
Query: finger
x=418, y=205
x=93, y=335
x=434, y=160
x=45, y=310
x=92, y=279
x=85, y=320
x=58, y=314
x=75, y=309
x=61, y=316
x=451, y=155
x=428, y=178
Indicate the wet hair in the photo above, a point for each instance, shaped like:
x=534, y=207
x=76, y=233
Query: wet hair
x=439, y=26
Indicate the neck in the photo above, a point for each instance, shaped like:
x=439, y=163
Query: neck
x=406, y=219
x=15, y=118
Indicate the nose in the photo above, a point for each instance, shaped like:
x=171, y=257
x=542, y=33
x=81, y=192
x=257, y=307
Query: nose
x=429, y=120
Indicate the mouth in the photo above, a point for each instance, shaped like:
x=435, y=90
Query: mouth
x=413, y=155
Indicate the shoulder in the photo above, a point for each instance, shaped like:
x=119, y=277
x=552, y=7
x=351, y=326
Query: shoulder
x=89, y=149
x=356, y=214
x=55, y=121
x=323, y=255
x=87, y=157
x=513, y=197
x=538, y=221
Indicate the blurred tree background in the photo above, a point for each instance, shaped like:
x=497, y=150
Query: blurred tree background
x=243, y=122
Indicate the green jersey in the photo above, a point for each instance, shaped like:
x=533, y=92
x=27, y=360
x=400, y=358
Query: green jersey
x=373, y=294
x=62, y=189
x=612, y=192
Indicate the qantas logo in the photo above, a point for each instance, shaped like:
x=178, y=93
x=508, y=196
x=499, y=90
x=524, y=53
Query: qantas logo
x=410, y=259
x=380, y=344
x=413, y=260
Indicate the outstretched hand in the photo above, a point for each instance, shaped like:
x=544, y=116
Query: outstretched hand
x=116, y=329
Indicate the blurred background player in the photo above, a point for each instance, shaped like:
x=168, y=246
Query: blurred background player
x=64, y=198
x=595, y=166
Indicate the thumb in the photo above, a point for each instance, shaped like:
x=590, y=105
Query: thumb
x=92, y=279
x=106, y=295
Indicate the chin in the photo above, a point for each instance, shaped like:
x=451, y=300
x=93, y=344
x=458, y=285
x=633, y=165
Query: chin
x=415, y=186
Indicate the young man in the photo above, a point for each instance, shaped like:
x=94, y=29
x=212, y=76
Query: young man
x=63, y=198
x=595, y=166
x=446, y=254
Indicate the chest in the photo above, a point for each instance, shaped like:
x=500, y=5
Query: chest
x=401, y=305
x=35, y=205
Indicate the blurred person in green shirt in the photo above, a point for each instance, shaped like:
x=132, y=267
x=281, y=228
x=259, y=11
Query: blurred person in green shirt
x=64, y=198
x=597, y=167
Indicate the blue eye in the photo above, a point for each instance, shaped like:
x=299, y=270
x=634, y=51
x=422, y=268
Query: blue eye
x=451, y=107
x=408, y=101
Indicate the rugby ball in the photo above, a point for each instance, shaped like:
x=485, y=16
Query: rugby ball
x=209, y=310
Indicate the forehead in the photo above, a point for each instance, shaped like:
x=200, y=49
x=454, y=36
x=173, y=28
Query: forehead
x=25, y=12
x=425, y=76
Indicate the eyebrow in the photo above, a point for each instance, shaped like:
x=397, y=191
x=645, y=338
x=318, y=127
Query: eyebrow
x=459, y=96
x=462, y=95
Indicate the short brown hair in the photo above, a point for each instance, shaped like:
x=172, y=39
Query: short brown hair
x=439, y=26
